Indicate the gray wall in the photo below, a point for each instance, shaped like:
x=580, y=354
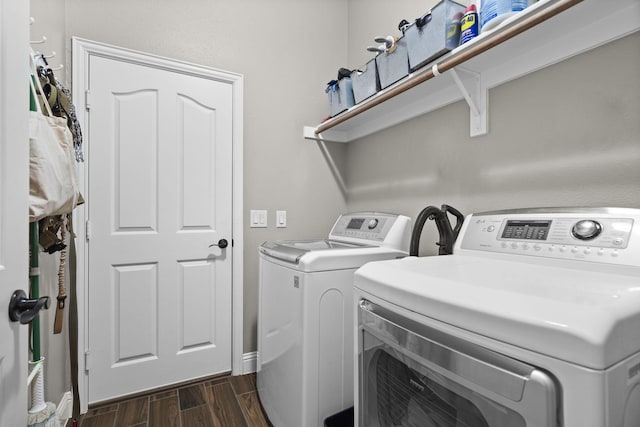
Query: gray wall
x=567, y=135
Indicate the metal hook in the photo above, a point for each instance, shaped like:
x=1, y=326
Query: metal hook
x=60, y=67
x=42, y=40
x=53, y=53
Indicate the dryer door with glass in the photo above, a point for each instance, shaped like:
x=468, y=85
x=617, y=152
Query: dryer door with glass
x=414, y=375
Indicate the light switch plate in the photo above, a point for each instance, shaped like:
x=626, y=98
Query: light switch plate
x=281, y=219
x=258, y=218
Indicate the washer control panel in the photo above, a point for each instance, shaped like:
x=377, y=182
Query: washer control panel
x=376, y=228
x=609, y=235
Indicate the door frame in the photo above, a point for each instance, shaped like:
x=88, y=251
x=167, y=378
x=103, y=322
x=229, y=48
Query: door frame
x=82, y=50
x=14, y=185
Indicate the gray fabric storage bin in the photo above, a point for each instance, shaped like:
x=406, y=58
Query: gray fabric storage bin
x=340, y=96
x=365, y=82
x=439, y=34
x=393, y=66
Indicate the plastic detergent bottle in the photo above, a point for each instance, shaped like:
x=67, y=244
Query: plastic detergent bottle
x=469, y=24
x=493, y=12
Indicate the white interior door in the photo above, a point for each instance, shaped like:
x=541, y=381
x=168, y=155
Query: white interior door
x=160, y=193
x=14, y=181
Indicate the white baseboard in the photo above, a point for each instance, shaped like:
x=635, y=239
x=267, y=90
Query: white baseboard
x=65, y=408
x=249, y=362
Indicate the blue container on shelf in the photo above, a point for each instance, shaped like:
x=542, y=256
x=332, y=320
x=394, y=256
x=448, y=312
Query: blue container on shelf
x=340, y=94
x=493, y=12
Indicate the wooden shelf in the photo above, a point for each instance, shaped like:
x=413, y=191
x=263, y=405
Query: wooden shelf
x=547, y=32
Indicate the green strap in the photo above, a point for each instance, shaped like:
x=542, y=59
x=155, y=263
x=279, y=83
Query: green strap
x=35, y=287
x=32, y=98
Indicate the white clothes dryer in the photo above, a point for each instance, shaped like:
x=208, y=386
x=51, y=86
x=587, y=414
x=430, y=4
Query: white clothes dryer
x=305, y=324
x=533, y=321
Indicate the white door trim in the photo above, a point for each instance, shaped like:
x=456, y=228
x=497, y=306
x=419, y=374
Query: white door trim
x=14, y=205
x=82, y=50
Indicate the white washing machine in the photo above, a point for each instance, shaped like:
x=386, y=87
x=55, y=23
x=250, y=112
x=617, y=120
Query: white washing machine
x=305, y=325
x=533, y=321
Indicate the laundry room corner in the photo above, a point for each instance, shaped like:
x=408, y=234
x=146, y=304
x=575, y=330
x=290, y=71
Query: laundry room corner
x=278, y=57
x=203, y=255
x=556, y=139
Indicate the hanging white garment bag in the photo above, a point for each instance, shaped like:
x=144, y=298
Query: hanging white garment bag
x=53, y=182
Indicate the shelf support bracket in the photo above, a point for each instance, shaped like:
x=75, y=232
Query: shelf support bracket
x=476, y=95
x=331, y=135
x=334, y=168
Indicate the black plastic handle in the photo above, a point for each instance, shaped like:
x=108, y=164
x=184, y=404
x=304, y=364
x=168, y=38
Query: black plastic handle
x=447, y=234
x=423, y=20
x=23, y=309
x=222, y=243
x=430, y=212
x=459, y=219
x=403, y=25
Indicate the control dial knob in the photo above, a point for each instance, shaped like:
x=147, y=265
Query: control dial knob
x=372, y=224
x=586, y=229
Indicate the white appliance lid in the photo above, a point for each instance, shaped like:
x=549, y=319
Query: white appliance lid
x=292, y=251
x=355, y=238
x=569, y=310
x=325, y=255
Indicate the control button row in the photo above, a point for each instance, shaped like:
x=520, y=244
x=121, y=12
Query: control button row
x=561, y=249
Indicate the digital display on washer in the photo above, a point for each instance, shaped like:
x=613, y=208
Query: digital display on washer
x=355, y=224
x=526, y=230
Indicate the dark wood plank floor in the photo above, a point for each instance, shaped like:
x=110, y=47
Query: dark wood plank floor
x=220, y=402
